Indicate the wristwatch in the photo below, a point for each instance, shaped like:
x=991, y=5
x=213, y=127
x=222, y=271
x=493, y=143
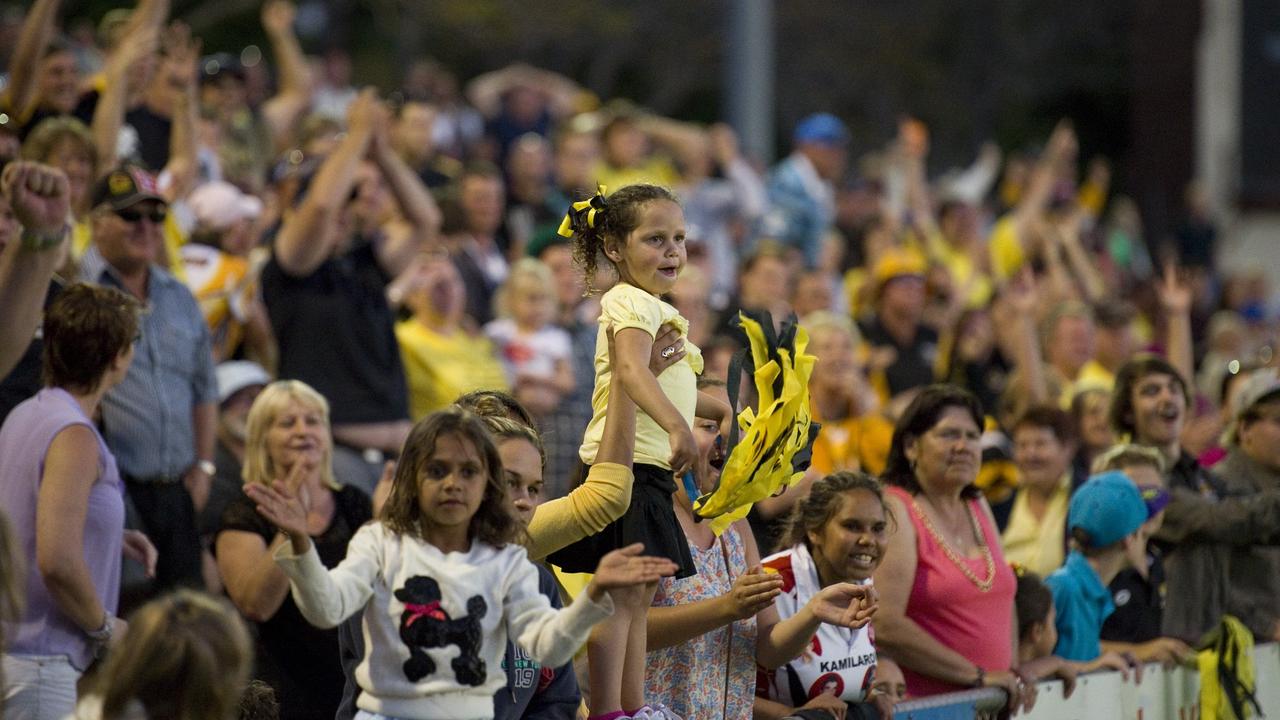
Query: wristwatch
x=103, y=634
x=207, y=467
x=37, y=241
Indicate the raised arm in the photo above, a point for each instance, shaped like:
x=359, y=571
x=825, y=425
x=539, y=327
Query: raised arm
x=40, y=198
x=421, y=216
x=325, y=597
x=1175, y=302
x=749, y=190
x=183, y=55
x=293, y=97
x=308, y=236
x=108, y=114
x=37, y=30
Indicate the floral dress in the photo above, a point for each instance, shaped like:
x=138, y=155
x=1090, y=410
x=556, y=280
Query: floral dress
x=713, y=675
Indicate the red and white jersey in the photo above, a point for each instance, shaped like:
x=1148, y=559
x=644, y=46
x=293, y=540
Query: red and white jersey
x=839, y=660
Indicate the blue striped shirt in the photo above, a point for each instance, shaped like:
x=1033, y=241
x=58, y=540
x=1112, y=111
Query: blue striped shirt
x=147, y=418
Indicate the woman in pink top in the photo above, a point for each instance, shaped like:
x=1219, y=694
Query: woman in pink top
x=946, y=593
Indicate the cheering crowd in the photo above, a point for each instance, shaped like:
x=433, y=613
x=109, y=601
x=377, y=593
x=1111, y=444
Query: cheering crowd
x=320, y=401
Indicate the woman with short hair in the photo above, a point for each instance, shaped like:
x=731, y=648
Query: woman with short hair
x=61, y=489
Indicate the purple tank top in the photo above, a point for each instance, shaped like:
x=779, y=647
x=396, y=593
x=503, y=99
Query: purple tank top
x=24, y=441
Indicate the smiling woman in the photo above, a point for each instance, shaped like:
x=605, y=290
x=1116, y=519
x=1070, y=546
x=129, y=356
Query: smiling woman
x=288, y=441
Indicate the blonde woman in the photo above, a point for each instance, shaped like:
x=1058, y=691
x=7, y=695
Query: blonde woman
x=187, y=656
x=288, y=439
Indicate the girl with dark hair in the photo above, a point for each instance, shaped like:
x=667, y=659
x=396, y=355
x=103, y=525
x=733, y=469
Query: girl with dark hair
x=947, y=614
x=441, y=567
x=837, y=536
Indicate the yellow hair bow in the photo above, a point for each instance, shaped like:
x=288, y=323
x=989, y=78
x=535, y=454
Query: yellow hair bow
x=583, y=213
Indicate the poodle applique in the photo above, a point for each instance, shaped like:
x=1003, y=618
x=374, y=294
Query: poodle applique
x=424, y=624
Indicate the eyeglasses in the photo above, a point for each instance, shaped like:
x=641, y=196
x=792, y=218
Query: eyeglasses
x=156, y=216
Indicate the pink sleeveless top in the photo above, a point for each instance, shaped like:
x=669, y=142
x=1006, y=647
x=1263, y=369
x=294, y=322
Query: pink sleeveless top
x=950, y=607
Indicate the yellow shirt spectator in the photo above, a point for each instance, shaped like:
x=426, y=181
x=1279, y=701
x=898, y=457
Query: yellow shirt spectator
x=1038, y=544
x=439, y=368
x=627, y=306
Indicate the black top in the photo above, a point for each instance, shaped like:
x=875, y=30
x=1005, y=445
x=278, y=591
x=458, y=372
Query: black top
x=1139, y=603
x=337, y=334
x=298, y=660
x=153, y=130
x=23, y=381
x=914, y=364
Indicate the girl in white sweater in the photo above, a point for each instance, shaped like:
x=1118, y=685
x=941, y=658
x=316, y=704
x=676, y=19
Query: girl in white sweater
x=442, y=579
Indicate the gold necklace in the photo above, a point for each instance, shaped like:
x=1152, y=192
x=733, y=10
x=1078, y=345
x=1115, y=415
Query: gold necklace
x=982, y=585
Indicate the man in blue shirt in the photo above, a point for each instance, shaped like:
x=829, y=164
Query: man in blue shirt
x=160, y=421
x=1106, y=519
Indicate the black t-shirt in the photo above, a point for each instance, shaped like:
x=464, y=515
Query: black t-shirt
x=337, y=334
x=1139, y=603
x=153, y=130
x=298, y=660
x=23, y=381
x=914, y=364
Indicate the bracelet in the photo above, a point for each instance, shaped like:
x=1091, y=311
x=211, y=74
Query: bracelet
x=981, y=680
x=103, y=634
x=38, y=241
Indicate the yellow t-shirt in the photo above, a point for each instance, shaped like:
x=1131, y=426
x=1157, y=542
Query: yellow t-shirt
x=439, y=368
x=224, y=288
x=1038, y=545
x=860, y=443
x=1007, y=254
x=627, y=306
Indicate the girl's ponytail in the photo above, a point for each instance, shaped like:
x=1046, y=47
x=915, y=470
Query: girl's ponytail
x=584, y=224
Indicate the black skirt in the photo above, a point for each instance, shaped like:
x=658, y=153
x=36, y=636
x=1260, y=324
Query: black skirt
x=650, y=519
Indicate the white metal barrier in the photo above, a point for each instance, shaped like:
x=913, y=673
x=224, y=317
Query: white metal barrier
x=1162, y=694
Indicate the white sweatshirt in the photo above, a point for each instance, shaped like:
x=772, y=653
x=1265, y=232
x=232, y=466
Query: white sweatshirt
x=380, y=562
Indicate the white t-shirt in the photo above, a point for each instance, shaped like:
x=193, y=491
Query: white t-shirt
x=529, y=354
x=839, y=658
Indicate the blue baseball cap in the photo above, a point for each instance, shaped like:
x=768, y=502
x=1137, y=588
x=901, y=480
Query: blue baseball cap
x=1109, y=507
x=822, y=128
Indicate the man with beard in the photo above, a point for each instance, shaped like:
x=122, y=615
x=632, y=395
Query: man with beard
x=1203, y=521
x=239, y=382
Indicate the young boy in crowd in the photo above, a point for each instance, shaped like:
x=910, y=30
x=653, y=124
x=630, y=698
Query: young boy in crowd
x=1107, y=520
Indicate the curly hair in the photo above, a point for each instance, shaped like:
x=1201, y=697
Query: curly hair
x=494, y=522
x=820, y=505
x=615, y=218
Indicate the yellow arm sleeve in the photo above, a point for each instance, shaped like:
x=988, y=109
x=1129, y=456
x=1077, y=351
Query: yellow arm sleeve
x=586, y=510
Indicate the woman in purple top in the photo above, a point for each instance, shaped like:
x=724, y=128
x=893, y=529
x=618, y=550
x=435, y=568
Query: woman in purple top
x=61, y=490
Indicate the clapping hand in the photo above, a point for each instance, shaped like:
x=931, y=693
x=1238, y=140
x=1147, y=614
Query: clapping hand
x=752, y=592
x=846, y=604
x=625, y=567
x=284, y=503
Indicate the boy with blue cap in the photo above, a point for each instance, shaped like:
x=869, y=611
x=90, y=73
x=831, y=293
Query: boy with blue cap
x=1106, y=519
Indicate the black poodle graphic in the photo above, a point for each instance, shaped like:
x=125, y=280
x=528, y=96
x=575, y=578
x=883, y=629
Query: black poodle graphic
x=424, y=624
